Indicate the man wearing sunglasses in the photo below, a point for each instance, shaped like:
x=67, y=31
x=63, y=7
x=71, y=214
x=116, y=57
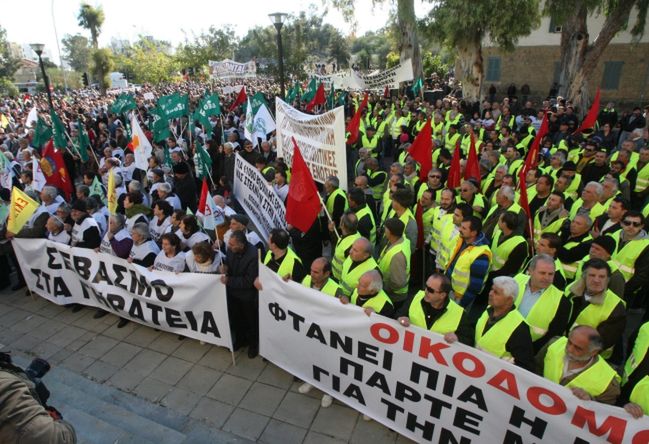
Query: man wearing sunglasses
x=432, y=309
x=631, y=254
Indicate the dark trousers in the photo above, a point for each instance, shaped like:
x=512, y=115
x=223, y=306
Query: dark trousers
x=244, y=320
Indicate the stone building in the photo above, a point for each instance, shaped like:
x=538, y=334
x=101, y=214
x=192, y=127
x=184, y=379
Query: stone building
x=622, y=72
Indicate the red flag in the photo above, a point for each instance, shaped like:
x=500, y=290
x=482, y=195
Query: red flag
x=422, y=150
x=203, y=199
x=472, y=168
x=355, y=123
x=524, y=202
x=591, y=117
x=455, y=172
x=241, y=98
x=302, y=202
x=532, y=158
x=386, y=92
x=419, y=218
x=320, y=98
x=53, y=167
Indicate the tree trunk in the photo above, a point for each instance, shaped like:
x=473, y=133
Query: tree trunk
x=469, y=69
x=579, y=58
x=408, y=41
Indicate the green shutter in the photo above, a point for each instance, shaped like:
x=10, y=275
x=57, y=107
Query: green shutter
x=612, y=74
x=493, y=69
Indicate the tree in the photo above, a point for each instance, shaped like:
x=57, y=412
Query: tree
x=92, y=19
x=9, y=64
x=464, y=24
x=372, y=45
x=407, y=39
x=215, y=44
x=147, y=61
x=102, y=64
x=76, y=51
x=580, y=55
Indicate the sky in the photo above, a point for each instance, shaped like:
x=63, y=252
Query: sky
x=30, y=21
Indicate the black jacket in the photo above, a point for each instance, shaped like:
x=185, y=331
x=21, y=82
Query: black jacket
x=242, y=270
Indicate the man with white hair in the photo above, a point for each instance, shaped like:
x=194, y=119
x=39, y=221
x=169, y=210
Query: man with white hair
x=588, y=203
x=501, y=330
x=369, y=294
x=219, y=201
x=506, y=201
x=164, y=193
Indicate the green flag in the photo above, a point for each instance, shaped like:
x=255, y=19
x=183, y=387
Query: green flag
x=256, y=102
x=159, y=125
x=58, y=130
x=203, y=162
x=83, y=142
x=97, y=190
x=167, y=158
x=417, y=86
x=293, y=93
x=123, y=103
x=342, y=98
x=209, y=106
x=309, y=94
x=174, y=105
x=42, y=133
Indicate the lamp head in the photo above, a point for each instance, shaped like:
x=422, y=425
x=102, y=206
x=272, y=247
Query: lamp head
x=278, y=19
x=37, y=48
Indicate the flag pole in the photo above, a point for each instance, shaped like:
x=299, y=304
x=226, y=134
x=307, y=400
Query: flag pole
x=328, y=215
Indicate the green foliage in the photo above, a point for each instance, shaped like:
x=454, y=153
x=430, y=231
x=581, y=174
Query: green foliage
x=56, y=78
x=91, y=19
x=147, y=61
x=7, y=88
x=8, y=63
x=462, y=22
x=215, y=44
x=76, y=51
x=392, y=59
x=372, y=48
x=435, y=64
x=102, y=64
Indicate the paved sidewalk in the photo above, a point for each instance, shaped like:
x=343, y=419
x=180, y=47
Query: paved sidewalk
x=254, y=399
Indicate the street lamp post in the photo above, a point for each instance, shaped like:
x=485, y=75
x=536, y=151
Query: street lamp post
x=38, y=49
x=278, y=19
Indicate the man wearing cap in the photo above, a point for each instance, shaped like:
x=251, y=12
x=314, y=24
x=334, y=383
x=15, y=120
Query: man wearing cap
x=185, y=186
x=239, y=222
x=595, y=305
x=575, y=362
x=85, y=232
x=394, y=261
x=602, y=248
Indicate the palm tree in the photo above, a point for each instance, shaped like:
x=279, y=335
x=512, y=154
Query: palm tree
x=91, y=19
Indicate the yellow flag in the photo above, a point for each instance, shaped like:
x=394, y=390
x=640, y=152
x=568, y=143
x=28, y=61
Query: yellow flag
x=112, y=195
x=21, y=209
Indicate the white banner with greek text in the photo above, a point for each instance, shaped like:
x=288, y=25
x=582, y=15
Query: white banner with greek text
x=189, y=304
x=413, y=382
x=227, y=69
x=321, y=139
x=257, y=197
x=377, y=81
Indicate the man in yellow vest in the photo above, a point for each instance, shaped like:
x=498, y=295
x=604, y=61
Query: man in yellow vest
x=281, y=258
x=366, y=222
x=506, y=200
x=370, y=140
x=320, y=278
x=349, y=233
x=401, y=201
x=574, y=362
x=469, y=262
x=635, y=379
x=641, y=190
x=551, y=216
x=358, y=262
x=595, y=305
x=369, y=294
x=549, y=244
x=588, y=203
x=632, y=254
x=501, y=330
x=336, y=201
x=394, y=261
x=576, y=239
x=432, y=309
x=508, y=248
x=544, y=307
x=376, y=178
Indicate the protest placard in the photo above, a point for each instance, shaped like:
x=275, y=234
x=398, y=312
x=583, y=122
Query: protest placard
x=189, y=304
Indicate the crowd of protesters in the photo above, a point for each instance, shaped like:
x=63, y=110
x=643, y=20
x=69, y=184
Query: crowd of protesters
x=552, y=294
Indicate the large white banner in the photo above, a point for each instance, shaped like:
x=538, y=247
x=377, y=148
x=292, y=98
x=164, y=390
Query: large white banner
x=189, y=304
x=321, y=139
x=350, y=79
x=413, y=382
x=227, y=69
x=257, y=197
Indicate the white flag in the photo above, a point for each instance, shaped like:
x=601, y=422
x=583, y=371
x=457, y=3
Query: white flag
x=32, y=118
x=248, y=124
x=6, y=172
x=140, y=145
x=263, y=123
x=39, y=180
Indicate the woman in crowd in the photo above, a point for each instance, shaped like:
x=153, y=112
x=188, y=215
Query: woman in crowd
x=161, y=220
x=171, y=258
x=191, y=232
x=202, y=258
x=144, y=249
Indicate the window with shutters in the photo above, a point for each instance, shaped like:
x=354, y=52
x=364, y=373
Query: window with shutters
x=612, y=74
x=493, y=69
